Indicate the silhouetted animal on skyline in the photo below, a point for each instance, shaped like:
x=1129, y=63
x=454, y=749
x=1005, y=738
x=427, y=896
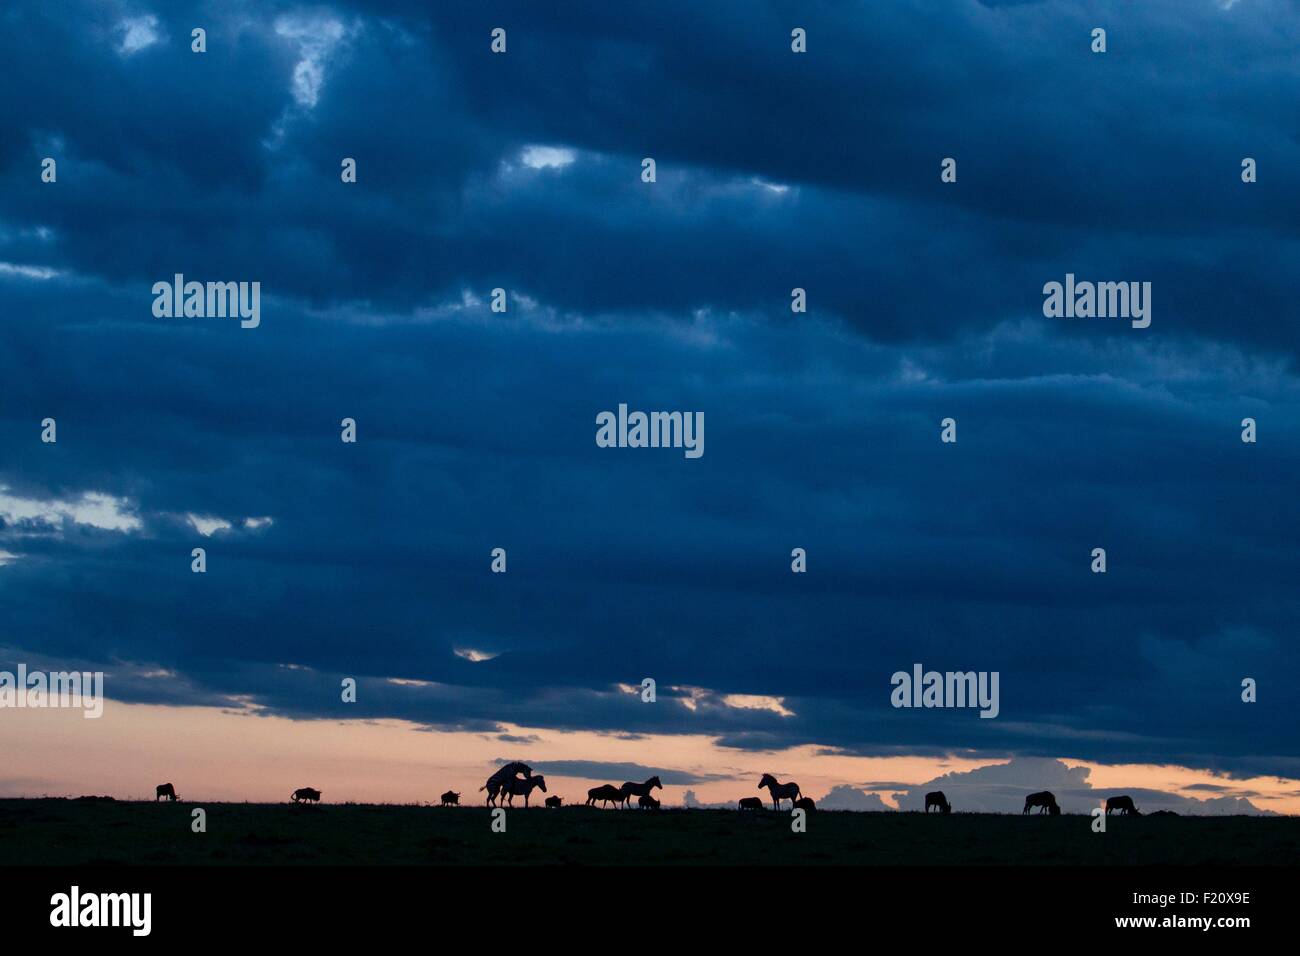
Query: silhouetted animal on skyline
x=647, y=802
x=631, y=790
x=936, y=799
x=1165, y=813
x=606, y=793
x=554, y=801
x=779, y=791
x=451, y=799
x=805, y=803
x=1045, y=802
x=1124, y=804
x=307, y=795
x=165, y=790
x=751, y=803
x=496, y=783
x=523, y=788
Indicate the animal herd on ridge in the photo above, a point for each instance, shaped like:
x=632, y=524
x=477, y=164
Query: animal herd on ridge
x=517, y=780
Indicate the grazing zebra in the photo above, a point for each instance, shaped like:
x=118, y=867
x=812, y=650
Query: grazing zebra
x=1123, y=804
x=496, y=784
x=607, y=793
x=1045, y=802
x=937, y=800
x=165, y=790
x=779, y=791
x=805, y=804
x=631, y=790
x=647, y=802
x=523, y=787
x=751, y=803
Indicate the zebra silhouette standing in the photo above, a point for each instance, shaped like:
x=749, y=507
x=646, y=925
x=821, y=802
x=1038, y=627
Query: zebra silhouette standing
x=523, y=788
x=780, y=791
x=631, y=790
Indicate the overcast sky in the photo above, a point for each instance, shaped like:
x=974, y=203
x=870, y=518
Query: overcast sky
x=476, y=429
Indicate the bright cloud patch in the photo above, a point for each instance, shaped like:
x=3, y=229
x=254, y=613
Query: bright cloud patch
x=27, y=272
x=137, y=33
x=546, y=157
x=317, y=38
x=758, y=702
x=207, y=526
x=93, y=508
x=158, y=673
x=472, y=655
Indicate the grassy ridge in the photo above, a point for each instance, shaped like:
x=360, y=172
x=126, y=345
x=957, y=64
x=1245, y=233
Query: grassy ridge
x=70, y=832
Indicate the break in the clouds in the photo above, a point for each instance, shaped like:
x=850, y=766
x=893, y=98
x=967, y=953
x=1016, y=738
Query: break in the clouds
x=35, y=516
x=522, y=172
x=137, y=33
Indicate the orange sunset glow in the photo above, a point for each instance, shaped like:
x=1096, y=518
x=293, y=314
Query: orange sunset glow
x=226, y=755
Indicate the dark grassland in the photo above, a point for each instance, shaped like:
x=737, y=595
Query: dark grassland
x=74, y=833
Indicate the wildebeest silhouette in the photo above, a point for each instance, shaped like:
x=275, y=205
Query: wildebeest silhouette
x=631, y=790
x=936, y=799
x=523, y=788
x=165, y=790
x=606, y=793
x=1045, y=802
x=306, y=795
x=451, y=799
x=751, y=803
x=496, y=784
x=779, y=791
x=554, y=801
x=647, y=802
x=805, y=803
x=1123, y=804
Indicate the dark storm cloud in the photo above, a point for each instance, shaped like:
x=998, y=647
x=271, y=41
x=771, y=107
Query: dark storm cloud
x=476, y=430
x=1122, y=165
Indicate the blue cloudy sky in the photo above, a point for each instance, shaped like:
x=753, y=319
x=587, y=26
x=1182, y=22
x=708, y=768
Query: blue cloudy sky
x=774, y=171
